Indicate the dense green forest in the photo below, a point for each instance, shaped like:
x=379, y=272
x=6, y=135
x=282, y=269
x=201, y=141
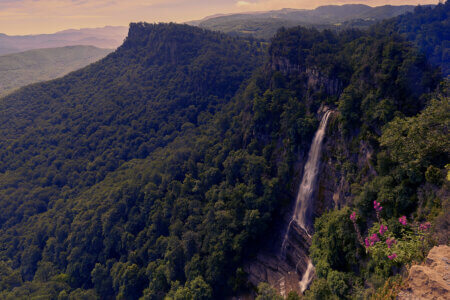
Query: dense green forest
x=156, y=172
x=20, y=69
x=429, y=29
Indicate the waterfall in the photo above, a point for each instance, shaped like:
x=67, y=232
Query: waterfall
x=307, y=277
x=303, y=205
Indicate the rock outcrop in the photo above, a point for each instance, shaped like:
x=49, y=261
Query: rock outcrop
x=282, y=270
x=312, y=77
x=430, y=280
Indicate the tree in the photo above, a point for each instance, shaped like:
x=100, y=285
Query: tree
x=266, y=292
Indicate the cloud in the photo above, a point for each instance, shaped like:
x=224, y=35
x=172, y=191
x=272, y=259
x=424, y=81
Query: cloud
x=243, y=4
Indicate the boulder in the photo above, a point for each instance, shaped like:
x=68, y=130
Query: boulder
x=430, y=280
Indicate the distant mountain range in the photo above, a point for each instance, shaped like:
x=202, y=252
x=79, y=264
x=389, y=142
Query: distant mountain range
x=265, y=24
x=258, y=24
x=32, y=66
x=109, y=37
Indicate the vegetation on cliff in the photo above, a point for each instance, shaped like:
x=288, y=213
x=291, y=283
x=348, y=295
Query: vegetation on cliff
x=157, y=171
x=410, y=185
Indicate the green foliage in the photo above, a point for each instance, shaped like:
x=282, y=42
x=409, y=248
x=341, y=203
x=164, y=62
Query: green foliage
x=157, y=171
x=266, y=292
x=428, y=28
x=319, y=290
x=193, y=290
x=9, y=278
x=414, y=149
x=142, y=227
x=334, y=245
x=434, y=175
x=410, y=246
x=411, y=166
x=124, y=107
x=292, y=295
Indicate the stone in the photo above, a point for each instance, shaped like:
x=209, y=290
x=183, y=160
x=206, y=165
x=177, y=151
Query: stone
x=430, y=280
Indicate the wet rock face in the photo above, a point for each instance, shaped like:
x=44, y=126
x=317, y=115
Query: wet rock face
x=340, y=163
x=283, y=270
x=430, y=280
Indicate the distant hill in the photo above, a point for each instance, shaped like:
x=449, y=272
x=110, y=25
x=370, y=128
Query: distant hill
x=265, y=24
x=108, y=37
x=32, y=66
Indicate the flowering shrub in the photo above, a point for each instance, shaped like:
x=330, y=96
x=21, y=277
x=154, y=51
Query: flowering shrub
x=383, y=229
x=389, y=250
x=403, y=220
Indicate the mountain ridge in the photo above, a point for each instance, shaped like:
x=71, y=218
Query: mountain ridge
x=20, y=69
x=265, y=23
x=103, y=37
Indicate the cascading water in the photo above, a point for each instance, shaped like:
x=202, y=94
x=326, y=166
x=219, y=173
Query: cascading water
x=307, y=277
x=303, y=205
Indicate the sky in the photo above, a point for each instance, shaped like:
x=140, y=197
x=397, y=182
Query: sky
x=21, y=17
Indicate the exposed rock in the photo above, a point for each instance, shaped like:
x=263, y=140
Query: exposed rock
x=313, y=78
x=282, y=269
x=284, y=66
x=283, y=265
x=317, y=81
x=430, y=280
x=339, y=162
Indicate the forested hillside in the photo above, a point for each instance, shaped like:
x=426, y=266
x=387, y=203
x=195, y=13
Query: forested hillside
x=158, y=172
x=430, y=30
x=20, y=69
x=61, y=137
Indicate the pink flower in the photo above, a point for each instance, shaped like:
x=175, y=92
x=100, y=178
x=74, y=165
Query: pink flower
x=390, y=241
x=366, y=241
x=374, y=239
x=402, y=220
x=377, y=206
x=353, y=216
x=383, y=229
x=424, y=226
x=392, y=256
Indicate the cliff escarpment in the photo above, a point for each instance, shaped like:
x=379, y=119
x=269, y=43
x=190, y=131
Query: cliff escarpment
x=364, y=96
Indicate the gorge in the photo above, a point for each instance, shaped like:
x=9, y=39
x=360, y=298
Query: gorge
x=191, y=164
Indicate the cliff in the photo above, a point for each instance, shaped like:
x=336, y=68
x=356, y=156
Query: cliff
x=430, y=280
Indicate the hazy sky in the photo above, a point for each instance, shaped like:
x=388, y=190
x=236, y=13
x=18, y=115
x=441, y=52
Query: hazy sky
x=47, y=16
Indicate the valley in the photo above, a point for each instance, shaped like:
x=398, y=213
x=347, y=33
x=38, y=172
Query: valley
x=20, y=69
x=199, y=164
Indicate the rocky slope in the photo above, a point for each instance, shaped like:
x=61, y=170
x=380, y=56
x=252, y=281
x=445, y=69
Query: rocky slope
x=430, y=280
